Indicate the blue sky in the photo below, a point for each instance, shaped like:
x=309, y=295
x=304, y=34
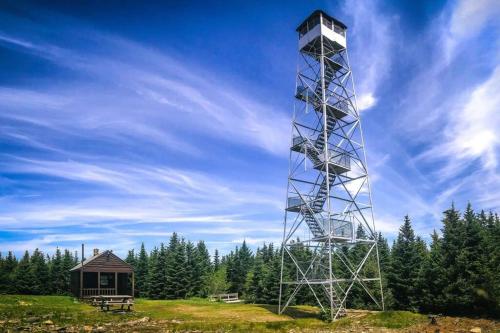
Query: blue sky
x=124, y=122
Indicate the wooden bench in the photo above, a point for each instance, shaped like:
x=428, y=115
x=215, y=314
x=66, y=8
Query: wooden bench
x=226, y=298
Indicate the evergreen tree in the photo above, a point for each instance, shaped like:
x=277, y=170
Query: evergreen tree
x=405, y=266
x=216, y=260
x=432, y=278
x=302, y=254
x=358, y=297
x=9, y=264
x=454, y=261
x=271, y=281
x=202, y=268
x=157, y=274
x=239, y=265
x=384, y=254
x=56, y=273
x=255, y=281
x=23, y=276
x=193, y=279
x=40, y=273
x=68, y=262
x=176, y=275
x=474, y=259
x=421, y=257
x=130, y=259
x=153, y=262
x=141, y=272
x=492, y=263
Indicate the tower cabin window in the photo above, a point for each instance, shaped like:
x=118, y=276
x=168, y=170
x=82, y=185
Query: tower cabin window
x=332, y=26
x=328, y=23
x=310, y=24
x=339, y=30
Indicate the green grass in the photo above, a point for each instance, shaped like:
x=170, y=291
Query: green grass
x=192, y=314
x=62, y=310
x=395, y=319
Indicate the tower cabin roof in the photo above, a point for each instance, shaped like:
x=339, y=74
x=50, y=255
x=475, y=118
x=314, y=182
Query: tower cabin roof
x=105, y=261
x=317, y=13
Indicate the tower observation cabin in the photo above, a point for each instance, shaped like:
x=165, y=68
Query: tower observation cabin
x=321, y=24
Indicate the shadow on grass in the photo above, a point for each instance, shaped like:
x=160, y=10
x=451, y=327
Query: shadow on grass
x=293, y=312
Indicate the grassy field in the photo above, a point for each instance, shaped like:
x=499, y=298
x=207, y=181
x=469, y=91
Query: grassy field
x=185, y=315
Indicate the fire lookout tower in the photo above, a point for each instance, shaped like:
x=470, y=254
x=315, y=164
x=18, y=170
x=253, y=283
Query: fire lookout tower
x=329, y=208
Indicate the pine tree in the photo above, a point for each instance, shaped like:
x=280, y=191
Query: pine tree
x=203, y=268
x=432, y=278
x=9, y=265
x=193, y=279
x=290, y=272
x=141, y=272
x=384, y=254
x=454, y=261
x=176, y=275
x=255, y=281
x=234, y=271
x=492, y=263
x=406, y=262
x=3, y=275
x=358, y=298
x=56, y=273
x=157, y=273
x=130, y=259
x=271, y=281
x=475, y=259
x=23, y=275
x=68, y=262
x=421, y=257
x=239, y=268
x=40, y=273
x=216, y=260
x=152, y=263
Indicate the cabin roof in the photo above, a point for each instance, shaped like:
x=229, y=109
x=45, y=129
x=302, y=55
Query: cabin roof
x=317, y=12
x=105, y=260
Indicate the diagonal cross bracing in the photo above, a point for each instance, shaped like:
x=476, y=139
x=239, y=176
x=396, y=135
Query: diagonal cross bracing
x=328, y=198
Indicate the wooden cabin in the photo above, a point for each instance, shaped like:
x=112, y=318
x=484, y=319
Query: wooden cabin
x=102, y=274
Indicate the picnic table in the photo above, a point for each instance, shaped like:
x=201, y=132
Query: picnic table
x=105, y=301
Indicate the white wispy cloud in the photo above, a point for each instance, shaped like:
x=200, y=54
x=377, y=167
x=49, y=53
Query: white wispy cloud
x=468, y=18
x=472, y=131
x=372, y=34
x=169, y=92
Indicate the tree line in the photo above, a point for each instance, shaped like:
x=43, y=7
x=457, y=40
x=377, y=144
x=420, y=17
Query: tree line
x=36, y=274
x=457, y=273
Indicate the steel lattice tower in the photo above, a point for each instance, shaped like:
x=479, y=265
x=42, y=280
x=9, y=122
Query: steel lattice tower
x=329, y=206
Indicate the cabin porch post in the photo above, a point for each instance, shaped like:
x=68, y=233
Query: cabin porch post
x=98, y=283
x=116, y=283
x=133, y=294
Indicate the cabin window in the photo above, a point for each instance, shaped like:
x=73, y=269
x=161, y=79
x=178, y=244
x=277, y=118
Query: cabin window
x=303, y=31
x=314, y=21
x=309, y=25
x=105, y=280
x=339, y=30
x=328, y=23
